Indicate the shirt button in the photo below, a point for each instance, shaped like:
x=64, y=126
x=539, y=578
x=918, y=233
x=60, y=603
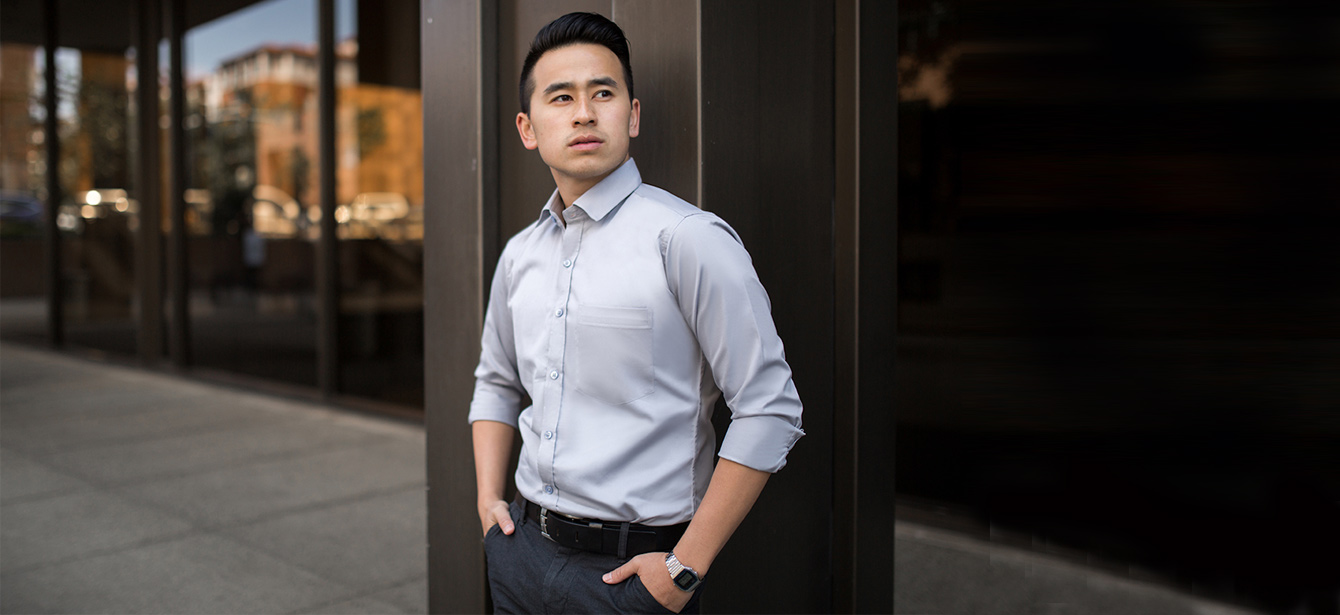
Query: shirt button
x=553, y=375
x=567, y=262
x=558, y=312
x=548, y=435
x=548, y=488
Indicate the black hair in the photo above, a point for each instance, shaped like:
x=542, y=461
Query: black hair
x=574, y=29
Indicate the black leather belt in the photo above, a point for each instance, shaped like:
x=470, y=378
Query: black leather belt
x=622, y=539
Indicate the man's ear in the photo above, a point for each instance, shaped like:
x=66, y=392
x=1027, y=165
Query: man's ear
x=526, y=130
x=634, y=118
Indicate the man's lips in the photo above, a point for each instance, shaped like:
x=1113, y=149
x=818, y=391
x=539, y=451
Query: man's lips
x=585, y=143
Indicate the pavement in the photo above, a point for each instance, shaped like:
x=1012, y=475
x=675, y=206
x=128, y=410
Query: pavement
x=125, y=490
x=131, y=491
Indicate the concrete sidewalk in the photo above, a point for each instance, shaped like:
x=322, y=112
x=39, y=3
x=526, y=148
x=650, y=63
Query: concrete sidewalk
x=128, y=491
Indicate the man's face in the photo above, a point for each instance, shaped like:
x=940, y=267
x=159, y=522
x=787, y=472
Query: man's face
x=581, y=117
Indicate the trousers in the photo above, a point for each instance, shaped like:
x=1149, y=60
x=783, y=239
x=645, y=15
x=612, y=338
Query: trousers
x=529, y=573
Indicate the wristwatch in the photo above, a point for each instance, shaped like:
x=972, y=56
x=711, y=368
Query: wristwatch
x=684, y=577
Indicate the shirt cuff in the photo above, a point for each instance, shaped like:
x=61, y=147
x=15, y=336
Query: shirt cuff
x=760, y=442
x=489, y=406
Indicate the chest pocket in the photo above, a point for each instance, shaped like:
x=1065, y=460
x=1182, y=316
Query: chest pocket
x=613, y=353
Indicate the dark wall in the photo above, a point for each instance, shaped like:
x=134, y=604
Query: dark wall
x=1117, y=288
x=767, y=74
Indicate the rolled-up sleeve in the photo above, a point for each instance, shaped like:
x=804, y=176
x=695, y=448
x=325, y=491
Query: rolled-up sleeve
x=721, y=298
x=498, y=389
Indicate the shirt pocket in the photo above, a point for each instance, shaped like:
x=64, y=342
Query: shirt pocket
x=613, y=353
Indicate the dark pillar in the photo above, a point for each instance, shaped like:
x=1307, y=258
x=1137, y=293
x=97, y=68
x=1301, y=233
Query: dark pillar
x=459, y=48
x=149, y=239
x=768, y=169
x=865, y=230
x=55, y=283
x=846, y=334
x=877, y=301
x=328, y=246
x=179, y=335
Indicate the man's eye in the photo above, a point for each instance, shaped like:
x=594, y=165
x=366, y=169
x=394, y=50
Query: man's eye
x=604, y=94
x=562, y=98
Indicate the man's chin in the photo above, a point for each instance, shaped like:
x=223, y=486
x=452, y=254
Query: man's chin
x=587, y=168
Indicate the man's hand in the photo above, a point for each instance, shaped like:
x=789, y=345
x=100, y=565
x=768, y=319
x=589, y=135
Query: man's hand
x=496, y=513
x=650, y=567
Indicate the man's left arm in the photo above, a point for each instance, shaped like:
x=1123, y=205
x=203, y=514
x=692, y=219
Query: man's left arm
x=722, y=300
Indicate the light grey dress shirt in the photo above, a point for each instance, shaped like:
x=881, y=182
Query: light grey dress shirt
x=623, y=327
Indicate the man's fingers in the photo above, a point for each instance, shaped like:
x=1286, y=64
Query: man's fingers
x=503, y=517
x=618, y=575
x=497, y=514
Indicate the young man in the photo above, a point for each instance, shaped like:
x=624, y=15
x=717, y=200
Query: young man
x=623, y=313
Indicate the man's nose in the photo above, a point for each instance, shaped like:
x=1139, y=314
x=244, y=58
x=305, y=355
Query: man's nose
x=583, y=113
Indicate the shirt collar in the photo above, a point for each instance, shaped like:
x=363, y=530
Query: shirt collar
x=602, y=197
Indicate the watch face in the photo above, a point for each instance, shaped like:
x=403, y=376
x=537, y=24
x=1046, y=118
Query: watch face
x=685, y=580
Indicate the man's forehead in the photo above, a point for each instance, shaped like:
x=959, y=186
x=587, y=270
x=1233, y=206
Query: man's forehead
x=581, y=63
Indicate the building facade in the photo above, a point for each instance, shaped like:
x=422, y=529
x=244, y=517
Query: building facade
x=1059, y=277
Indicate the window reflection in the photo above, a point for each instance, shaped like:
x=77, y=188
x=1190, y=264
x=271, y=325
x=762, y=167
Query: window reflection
x=23, y=162
x=379, y=160
x=98, y=215
x=252, y=177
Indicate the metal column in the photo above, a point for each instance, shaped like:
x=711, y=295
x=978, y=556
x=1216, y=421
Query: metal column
x=149, y=239
x=458, y=50
x=55, y=283
x=328, y=246
x=179, y=336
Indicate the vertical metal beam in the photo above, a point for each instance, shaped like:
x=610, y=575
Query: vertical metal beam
x=177, y=266
x=877, y=304
x=149, y=239
x=847, y=316
x=328, y=247
x=456, y=53
x=51, y=129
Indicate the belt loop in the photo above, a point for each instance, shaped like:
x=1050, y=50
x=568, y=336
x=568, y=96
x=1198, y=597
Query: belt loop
x=623, y=540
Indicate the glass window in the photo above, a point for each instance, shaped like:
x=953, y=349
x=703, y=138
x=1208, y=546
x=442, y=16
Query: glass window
x=379, y=170
x=251, y=132
x=98, y=209
x=23, y=162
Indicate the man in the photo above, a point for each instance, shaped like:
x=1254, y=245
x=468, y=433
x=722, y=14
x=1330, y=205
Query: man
x=623, y=313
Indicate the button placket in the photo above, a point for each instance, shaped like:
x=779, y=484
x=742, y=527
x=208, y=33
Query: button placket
x=557, y=355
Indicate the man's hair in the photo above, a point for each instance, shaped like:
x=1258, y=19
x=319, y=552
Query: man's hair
x=575, y=29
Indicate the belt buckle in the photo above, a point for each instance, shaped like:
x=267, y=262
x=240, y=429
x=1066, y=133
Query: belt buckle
x=544, y=523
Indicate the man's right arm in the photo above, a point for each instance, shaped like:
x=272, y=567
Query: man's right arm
x=493, y=451
x=496, y=404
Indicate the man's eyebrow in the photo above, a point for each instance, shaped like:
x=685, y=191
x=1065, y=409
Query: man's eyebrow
x=567, y=85
x=554, y=87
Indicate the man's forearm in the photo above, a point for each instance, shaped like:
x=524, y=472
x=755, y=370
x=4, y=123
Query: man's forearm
x=493, y=453
x=730, y=495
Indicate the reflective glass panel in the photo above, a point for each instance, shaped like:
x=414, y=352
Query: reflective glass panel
x=22, y=192
x=98, y=214
x=379, y=161
x=251, y=131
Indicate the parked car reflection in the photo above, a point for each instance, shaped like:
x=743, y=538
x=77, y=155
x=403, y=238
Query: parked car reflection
x=380, y=215
x=20, y=215
x=274, y=214
x=97, y=204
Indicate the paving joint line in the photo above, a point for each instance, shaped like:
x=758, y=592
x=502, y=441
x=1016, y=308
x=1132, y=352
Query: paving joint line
x=317, y=608
x=245, y=462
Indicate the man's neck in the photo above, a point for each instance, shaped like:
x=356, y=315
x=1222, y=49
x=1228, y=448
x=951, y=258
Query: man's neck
x=570, y=189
